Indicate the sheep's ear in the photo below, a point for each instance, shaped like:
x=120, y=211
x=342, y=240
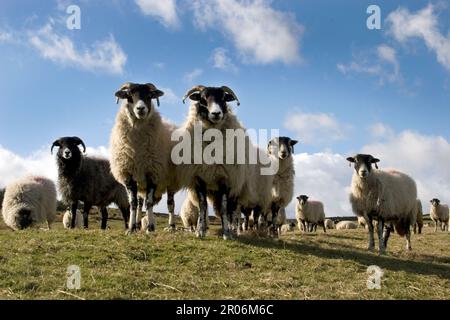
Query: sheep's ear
x=351, y=159
x=157, y=93
x=375, y=160
x=293, y=142
x=122, y=94
x=195, y=96
x=57, y=143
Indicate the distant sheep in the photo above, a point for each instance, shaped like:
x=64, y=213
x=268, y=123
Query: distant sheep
x=362, y=222
x=309, y=213
x=346, y=225
x=28, y=202
x=388, y=196
x=439, y=214
x=419, y=221
x=329, y=224
x=67, y=220
x=287, y=227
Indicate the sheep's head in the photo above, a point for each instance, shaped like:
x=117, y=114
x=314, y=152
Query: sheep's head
x=302, y=199
x=363, y=164
x=139, y=98
x=211, y=102
x=23, y=219
x=283, y=147
x=68, y=148
x=435, y=202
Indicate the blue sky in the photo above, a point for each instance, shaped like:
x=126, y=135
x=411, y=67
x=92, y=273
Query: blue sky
x=309, y=68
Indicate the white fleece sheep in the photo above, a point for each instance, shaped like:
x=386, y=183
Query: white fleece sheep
x=287, y=227
x=28, y=202
x=388, y=196
x=221, y=183
x=67, y=219
x=309, y=213
x=329, y=224
x=346, y=225
x=439, y=214
x=362, y=222
x=140, y=151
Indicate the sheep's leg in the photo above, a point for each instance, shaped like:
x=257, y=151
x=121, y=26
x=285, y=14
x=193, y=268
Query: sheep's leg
x=256, y=216
x=200, y=191
x=415, y=228
x=323, y=226
x=274, y=227
x=371, y=238
x=435, y=225
x=104, y=212
x=74, y=209
x=386, y=235
x=408, y=236
x=247, y=212
x=139, y=211
x=171, y=207
x=224, y=215
x=132, y=191
x=87, y=208
x=125, y=215
x=150, y=202
x=380, y=227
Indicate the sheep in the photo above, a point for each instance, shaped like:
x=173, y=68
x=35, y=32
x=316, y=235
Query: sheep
x=222, y=180
x=281, y=149
x=346, y=225
x=67, y=220
x=388, y=196
x=329, y=224
x=419, y=221
x=141, y=147
x=28, y=202
x=287, y=227
x=362, y=222
x=439, y=214
x=87, y=179
x=309, y=212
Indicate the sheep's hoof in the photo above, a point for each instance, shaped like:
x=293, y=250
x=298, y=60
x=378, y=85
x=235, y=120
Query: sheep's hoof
x=151, y=228
x=201, y=234
x=371, y=248
x=131, y=231
x=227, y=236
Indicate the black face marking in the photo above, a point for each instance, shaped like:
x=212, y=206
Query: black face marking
x=69, y=145
x=287, y=142
x=363, y=159
x=24, y=219
x=435, y=202
x=209, y=96
x=303, y=198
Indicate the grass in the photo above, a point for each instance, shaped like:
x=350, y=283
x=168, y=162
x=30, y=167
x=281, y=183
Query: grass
x=165, y=265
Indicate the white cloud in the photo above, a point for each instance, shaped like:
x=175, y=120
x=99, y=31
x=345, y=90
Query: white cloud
x=381, y=131
x=381, y=62
x=191, y=76
x=316, y=128
x=106, y=56
x=423, y=24
x=5, y=36
x=259, y=32
x=222, y=61
x=164, y=10
x=170, y=96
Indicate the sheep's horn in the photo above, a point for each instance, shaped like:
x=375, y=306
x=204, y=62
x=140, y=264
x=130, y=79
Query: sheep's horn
x=78, y=141
x=230, y=92
x=191, y=91
x=55, y=144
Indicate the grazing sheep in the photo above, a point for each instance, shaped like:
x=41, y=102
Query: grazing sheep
x=439, y=214
x=309, y=213
x=29, y=201
x=329, y=224
x=346, y=225
x=362, y=222
x=87, y=179
x=419, y=221
x=281, y=149
x=388, y=196
x=287, y=227
x=67, y=220
x=222, y=180
x=140, y=153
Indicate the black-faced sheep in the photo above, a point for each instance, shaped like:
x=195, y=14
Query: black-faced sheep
x=388, y=196
x=140, y=152
x=439, y=214
x=309, y=213
x=86, y=179
x=222, y=180
x=28, y=202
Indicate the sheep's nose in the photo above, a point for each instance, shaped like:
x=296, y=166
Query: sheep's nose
x=283, y=153
x=216, y=114
x=140, y=108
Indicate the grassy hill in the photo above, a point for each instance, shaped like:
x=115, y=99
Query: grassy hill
x=165, y=265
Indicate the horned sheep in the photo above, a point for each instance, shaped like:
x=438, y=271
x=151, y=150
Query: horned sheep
x=388, y=196
x=28, y=202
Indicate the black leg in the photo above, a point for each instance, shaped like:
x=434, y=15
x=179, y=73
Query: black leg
x=125, y=215
x=132, y=189
x=73, y=209
x=274, y=227
x=256, y=215
x=87, y=209
x=104, y=212
x=200, y=191
x=150, y=198
x=371, y=236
